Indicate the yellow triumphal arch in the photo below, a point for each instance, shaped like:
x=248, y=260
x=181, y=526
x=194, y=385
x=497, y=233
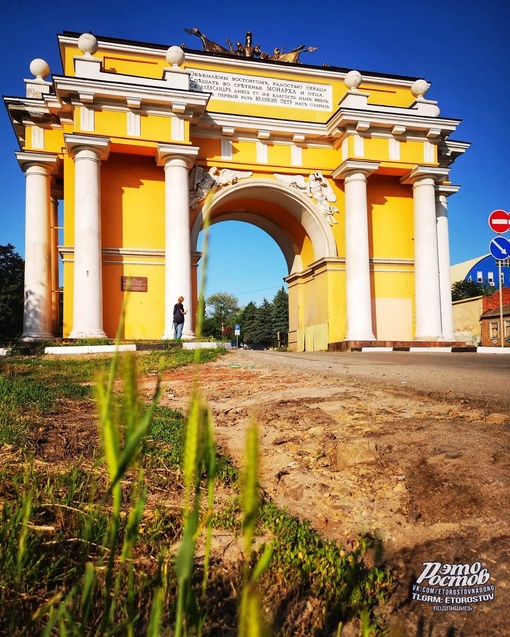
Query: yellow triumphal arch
x=348, y=172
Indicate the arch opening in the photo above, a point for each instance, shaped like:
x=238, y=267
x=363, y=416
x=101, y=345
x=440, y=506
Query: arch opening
x=303, y=236
x=243, y=260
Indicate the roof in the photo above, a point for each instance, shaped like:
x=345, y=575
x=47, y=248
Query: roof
x=459, y=271
x=497, y=312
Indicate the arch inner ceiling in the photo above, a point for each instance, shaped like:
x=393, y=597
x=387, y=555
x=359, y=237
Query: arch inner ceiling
x=288, y=216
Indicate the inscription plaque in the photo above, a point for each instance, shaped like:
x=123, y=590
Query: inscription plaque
x=263, y=90
x=134, y=283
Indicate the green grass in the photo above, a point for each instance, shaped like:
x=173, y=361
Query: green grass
x=167, y=436
x=33, y=389
x=155, y=361
x=109, y=543
x=340, y=578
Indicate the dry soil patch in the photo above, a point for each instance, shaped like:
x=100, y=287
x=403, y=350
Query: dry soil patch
x=427, y=475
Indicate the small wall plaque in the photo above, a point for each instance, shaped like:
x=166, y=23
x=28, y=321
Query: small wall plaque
x=134, y=283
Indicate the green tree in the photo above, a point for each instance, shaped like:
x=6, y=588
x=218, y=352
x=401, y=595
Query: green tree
x=280, y=315
x=264, y=324
x=248, y=322
x=12, y=269
x=468, y=289
x=222, y=309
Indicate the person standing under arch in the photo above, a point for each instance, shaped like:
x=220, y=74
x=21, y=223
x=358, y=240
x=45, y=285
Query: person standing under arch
x=179, y=314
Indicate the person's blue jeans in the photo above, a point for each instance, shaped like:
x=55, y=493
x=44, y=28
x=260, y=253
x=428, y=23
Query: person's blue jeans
x=178, y=330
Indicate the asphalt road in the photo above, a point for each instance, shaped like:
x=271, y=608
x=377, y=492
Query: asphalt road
x=484, y=378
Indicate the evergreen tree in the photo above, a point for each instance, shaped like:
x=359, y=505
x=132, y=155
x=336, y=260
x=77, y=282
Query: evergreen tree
x=280, y=315
x=12, y=269
x=264, y=324
x=248, y=321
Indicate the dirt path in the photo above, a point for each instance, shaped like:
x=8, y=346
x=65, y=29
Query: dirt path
x=430, y=477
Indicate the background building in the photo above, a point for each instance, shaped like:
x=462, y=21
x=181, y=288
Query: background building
x=474, y=319
x=495, y=326
x=484, y=269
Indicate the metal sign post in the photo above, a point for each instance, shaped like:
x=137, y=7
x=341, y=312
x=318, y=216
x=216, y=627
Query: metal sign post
x=499, y=247
x=501, y=306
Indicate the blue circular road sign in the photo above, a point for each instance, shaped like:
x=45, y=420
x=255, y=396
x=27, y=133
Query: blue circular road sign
x=500, y=248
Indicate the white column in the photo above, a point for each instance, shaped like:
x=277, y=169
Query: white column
x=357, y=258
x=177, y=160
x=38, y=169
x=426, y=260
x=55, y=291
x=443, y=248
x=87, y=153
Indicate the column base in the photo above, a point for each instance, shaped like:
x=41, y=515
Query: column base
x=34, y=338
x=359, y=337
x=79, y=334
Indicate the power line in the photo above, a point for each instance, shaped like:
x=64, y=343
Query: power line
x=261, y=290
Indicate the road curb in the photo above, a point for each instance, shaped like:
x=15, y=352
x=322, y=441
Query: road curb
x=439, y=350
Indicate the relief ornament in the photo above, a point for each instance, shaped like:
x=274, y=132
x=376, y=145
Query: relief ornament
x=316, y=188
x=201, y=182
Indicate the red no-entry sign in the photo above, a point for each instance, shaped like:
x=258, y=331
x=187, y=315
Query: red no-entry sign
x=499, y=221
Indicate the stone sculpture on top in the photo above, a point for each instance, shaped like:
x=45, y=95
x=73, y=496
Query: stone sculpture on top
x=249, y=50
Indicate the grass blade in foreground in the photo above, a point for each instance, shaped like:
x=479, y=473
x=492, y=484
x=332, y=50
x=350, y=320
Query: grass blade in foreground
x=251, y=622
x=199, y=460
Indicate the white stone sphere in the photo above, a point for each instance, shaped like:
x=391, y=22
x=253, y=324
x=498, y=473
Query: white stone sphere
x=39, y=68
x=175, y=56
x=419, y=88
x=353, y=79
x=87, y=43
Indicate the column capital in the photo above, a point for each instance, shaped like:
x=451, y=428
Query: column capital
x=99, y=145
x=435, y=173
x=446, y=190
x=167, y=152
x=49, y=161
x=351, y=166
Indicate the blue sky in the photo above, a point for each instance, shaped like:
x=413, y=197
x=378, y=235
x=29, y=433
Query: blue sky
x=460, y=46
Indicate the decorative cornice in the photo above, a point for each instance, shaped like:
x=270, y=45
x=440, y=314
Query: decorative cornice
x=396, y=119
x=98, y=91
x=338, y=263
x=450, y=149
x=122, y=253
x=253, y=124
x=391, y=261
x=134, y=252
